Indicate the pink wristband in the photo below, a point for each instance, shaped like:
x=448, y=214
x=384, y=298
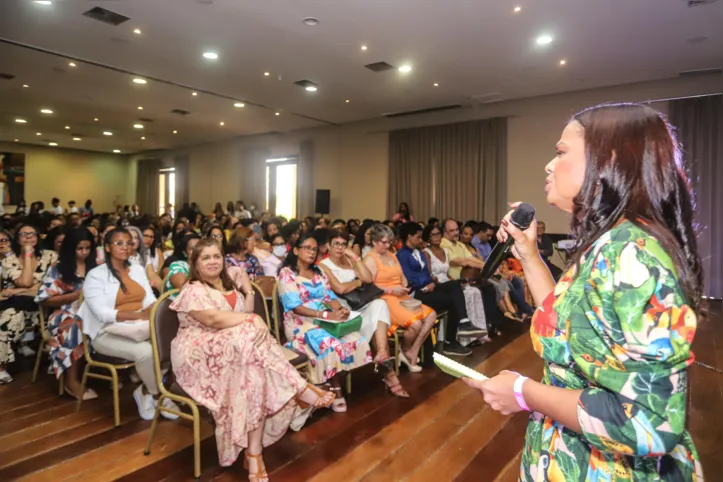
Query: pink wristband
x=517, y=388
x=325, y=314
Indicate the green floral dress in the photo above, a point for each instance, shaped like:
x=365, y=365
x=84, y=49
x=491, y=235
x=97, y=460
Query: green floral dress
x=621, y=332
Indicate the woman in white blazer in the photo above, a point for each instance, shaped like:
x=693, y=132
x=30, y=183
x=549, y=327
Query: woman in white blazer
x=115, y=313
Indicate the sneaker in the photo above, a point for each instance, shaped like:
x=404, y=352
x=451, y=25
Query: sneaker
x=135, y=378
x=170, y=404
x=453, y=348
x=5, y=377
x=468, y=329
x=26, y=351
x=146, y=404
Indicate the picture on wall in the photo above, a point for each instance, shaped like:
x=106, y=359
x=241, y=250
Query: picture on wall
x=12, y=178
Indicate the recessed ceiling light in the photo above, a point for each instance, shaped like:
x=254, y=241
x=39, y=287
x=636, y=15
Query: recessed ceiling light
x=77, y=139
x=311, y=21
x=138, y=126
x=363, y=47
x=278, y=113
x=46, y=111
x=347, y=101
x=52, y=144
x=435, y=84
x=311, y=88
x=239, y=104
x=194, y=94
x=517, y=9
x=116, y=151
x=43, y=2
x=38, y=134
x=21, y=121
x=95, y=119
x=140, y=107
x=67, y=128
x=210, y=55
x=137, y=31
x=107, y=133
x=544, y=40
x=138, y=80
x=221, y=123
x=267, y=74
x=26, y=86
x=17, y=140
x=71, y=64
x=175, y=132
x=143, y=138
x=405, y=68
x=563, y=62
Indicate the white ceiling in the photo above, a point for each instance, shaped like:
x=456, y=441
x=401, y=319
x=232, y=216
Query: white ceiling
x=469, y=47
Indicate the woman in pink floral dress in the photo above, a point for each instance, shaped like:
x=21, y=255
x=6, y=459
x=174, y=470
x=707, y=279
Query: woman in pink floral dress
x=227, y=361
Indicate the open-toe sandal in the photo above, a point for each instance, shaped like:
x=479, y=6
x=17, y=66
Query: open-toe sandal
x=261, y=475
x=320, y=394
x=338, y=404
x=395, y=389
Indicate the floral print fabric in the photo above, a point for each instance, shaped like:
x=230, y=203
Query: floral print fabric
x=620, y=331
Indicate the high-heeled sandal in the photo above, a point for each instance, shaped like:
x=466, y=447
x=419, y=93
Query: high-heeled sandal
x=412, y=368
x=395, y=389
x=88, y=395
x=338, y=404
x=320, y=394
x=261, y=476
x=387, y=363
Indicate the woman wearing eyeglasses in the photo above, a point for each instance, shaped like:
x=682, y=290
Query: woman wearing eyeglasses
x=152, y=242
x=5, y=248
x=115, y=312
x=22, y=274
x=306, y=295
x=215, y=232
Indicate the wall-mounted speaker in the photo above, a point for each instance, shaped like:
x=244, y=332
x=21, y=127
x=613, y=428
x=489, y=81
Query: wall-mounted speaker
x=323, y=198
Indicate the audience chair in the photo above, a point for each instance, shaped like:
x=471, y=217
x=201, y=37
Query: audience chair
x=44, y=341
x=109, y=363
x=163, y=283
x=266, y=286
x=299, y=360
x=164, y=327
x=395, y=339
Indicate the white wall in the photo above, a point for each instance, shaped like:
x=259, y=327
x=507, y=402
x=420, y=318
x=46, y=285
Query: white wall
x=75, y=175
x=352, y=160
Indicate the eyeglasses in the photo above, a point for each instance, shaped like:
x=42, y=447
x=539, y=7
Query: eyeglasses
x=4, y=241
x=386, y=242
x=310, y=249
x=148, y=236
x=338, y=245
x=217, y=236
x=27, y=235
x=436, y=233
x=123, y=244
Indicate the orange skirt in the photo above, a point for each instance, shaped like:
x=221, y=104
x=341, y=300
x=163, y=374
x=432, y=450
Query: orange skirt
x=400, y=316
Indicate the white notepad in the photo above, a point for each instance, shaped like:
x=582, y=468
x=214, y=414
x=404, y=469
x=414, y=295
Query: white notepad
x=451, y=367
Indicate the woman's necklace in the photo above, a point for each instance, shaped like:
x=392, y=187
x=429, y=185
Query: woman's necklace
x=387, y=260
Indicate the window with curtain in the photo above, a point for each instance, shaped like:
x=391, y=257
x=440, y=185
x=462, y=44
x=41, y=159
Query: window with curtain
x=699, y=122
x=457, y=170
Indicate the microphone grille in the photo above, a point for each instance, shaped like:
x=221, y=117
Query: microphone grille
x=523, y=216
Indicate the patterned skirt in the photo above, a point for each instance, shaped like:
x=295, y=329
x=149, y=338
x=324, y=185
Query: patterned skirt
x=66, y=341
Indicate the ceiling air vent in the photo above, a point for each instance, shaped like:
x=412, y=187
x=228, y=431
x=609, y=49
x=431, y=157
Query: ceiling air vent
x=145, y=119
x=487, y=98
x=308, y=85
x=5, y=76
x=695, y=73
x=423, y=111
x=180, y=112
x=698, y=3
x=106, y=16
x=379, y=67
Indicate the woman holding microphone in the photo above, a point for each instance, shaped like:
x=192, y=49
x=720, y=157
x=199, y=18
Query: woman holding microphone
x=615, y=331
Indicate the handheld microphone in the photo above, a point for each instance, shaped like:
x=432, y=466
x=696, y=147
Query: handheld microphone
x=521, y=218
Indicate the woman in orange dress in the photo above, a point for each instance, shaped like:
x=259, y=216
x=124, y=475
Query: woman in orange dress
x=388, y=275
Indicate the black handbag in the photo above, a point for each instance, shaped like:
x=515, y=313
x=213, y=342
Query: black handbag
x=362, y=296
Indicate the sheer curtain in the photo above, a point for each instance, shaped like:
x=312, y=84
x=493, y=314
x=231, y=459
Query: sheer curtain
x=147, y=185
x=183, y=181
x=700, y=130
x=305, y=194
x=456, y=170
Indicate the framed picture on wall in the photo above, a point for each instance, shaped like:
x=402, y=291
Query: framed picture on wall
x=12, y=178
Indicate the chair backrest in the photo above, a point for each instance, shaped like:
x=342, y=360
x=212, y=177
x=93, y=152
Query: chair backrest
x=163, y=283
x=164, y=327
x=260, y=307
x=278, y=309
x=266, y=284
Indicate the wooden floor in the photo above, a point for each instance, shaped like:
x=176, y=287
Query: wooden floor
x=444, y=432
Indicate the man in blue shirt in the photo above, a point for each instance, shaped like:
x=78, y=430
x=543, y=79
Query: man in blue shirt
x=483, y=233
x=439, y=296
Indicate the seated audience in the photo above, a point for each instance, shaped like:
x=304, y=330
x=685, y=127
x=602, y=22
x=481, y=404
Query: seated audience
x=152, y=242
x=403, y=214
x=179, y=271
x=438, y=259
x=54, y=238
x=74, y=220
x=291, y=233
x=322, y=236
x=483, y=234
x=22, y=274
x=547, y=249
x=338, y=224
x=61, y=290
x=240, y=251
x=215, y=232
x=271, y=261
x=440, y=297
x=388, y=275
x=115, y=313
x=346, y=272
x=139, y=256
x=306, y=295
x=362, y=242
x=271, y=230
x=226, y=360
x=178, y=254
x=5, y=246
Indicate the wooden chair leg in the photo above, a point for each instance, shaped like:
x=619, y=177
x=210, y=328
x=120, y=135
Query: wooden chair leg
x=61, y=384
x=154, y=426
x=396, y=353
x=82, y=387
x=116, y=402
x=36, y=370
x=196, y=441
x=348, y=383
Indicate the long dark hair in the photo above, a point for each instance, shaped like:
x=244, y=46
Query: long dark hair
x=223, y=236
x=359, y=238
x=291, y=261
x=193, y=274
x=634, y=171
x=16, y=240
x=67, y=263
x=179, y=249
x=153, y=250
x=106, y=252
x=49, y=242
